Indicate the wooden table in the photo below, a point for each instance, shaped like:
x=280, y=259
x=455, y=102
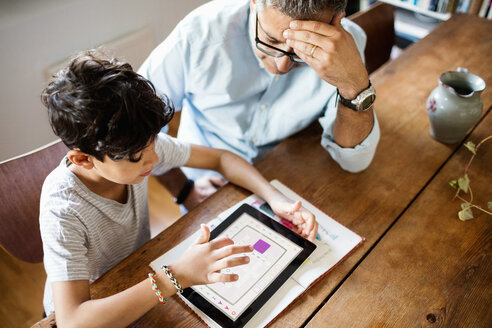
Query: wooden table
x=429, y=268
x=419, y=263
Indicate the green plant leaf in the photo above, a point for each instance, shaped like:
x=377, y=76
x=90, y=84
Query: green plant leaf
x=454, y=184
x=471, y=147
x=489, y=204
x=465, y=214
x=463, y=183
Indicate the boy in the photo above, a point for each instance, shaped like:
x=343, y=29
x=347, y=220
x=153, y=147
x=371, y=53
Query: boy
x=94, y=208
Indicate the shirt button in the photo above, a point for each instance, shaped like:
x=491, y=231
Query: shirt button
x=264, y=106
x=275, y=78
x=254, y=140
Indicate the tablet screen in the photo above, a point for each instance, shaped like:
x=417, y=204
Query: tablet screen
x=271, y=263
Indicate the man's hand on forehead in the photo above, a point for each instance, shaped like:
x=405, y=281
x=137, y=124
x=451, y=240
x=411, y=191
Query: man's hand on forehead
x=330, y=51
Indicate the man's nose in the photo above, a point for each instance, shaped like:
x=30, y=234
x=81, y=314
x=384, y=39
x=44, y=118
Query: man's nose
x=284, y=64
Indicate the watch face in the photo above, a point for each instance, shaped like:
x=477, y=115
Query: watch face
x=367, y=102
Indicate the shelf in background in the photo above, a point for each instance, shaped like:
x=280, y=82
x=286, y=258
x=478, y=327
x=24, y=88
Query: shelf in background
x=409, y=25
x=411, y=7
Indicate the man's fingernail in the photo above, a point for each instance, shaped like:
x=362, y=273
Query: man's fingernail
x=293, y=24
x=286, y=34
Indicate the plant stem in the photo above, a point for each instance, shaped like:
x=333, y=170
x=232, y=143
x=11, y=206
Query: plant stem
x=476, y=151
x=476, y=206
x=466, y=172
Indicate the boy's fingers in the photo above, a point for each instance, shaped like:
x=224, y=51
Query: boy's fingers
x=296, y=206
x=309, y=219
x=230, y=262
x=231, y=250
x=220, y=277
x=221, y=242
x=313, y=232
x=204, y=234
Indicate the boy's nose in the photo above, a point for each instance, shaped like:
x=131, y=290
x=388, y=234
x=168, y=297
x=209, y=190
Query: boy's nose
x=155, y=158
x=152, y=157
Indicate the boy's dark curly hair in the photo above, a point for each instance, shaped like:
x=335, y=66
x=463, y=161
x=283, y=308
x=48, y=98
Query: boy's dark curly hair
x=102, y=107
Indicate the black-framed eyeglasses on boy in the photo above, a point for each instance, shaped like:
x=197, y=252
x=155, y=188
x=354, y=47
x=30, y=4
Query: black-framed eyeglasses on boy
x=273, y=51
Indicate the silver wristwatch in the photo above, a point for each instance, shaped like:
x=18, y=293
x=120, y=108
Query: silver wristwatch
x=362, y=102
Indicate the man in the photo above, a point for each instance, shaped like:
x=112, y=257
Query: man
x=249, y=73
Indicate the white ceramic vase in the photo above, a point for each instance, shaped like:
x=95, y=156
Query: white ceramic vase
x=454, y=106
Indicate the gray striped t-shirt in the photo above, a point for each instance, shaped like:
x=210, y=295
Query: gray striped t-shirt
x=84, y=234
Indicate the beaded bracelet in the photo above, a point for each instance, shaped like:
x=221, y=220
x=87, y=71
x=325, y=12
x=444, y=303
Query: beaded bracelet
x=156, y=290
x=171, y=277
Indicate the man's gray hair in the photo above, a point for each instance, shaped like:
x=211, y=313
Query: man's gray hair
x=303, y=9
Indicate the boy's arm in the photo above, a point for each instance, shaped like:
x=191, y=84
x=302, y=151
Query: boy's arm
x=74, y=307
x=240, y=172
x=201, y=263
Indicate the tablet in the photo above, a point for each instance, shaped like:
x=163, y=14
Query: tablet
x=277, y=253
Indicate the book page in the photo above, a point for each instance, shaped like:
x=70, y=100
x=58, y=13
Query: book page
x=333, y=243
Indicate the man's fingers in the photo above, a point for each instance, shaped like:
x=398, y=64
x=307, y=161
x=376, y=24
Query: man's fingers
x=306, y=37
x=337, y=20
x=313, y=26
x=217, y=181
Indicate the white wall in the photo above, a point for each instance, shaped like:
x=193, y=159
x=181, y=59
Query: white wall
x=35, y=34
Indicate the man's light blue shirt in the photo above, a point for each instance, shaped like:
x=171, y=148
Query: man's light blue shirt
x=208, y=68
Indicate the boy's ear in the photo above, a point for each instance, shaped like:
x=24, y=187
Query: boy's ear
x=80, y=159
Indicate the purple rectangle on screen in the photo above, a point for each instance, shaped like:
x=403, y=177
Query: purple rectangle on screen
x=261, y=246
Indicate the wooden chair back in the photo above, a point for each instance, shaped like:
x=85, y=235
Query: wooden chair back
x=20, y=188
x=378, y=21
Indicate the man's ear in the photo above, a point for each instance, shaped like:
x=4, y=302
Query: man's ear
x=80, y=159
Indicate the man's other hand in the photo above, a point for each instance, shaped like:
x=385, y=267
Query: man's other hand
x=204, y=187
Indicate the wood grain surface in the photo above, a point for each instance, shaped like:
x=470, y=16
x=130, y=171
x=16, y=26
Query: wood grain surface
x=431, y=269
x=370, y=202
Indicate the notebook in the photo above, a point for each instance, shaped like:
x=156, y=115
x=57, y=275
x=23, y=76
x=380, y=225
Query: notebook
x=333, y=243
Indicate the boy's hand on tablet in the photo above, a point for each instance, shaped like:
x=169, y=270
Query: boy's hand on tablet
x=304, y=221
x=202, y=262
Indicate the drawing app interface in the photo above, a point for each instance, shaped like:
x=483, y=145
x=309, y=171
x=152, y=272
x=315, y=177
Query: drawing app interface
x=272, y=253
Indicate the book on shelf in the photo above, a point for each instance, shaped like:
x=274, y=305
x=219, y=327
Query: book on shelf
x=452, y=4
x=463, y=6
x=445, y=6
x=333, y=244
x=475, y=6
x=484, y=9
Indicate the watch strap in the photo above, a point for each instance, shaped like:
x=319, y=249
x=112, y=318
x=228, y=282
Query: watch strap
x=349, y=103
x=183, y=194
